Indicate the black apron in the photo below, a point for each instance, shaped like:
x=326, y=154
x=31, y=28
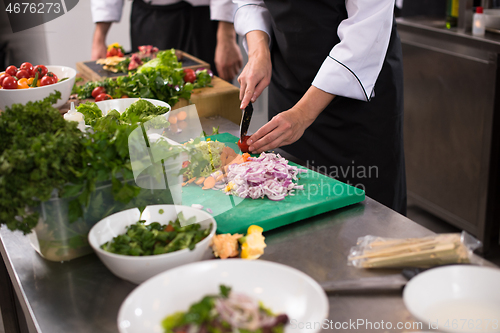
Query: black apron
x=180, y=26
x=357, y=142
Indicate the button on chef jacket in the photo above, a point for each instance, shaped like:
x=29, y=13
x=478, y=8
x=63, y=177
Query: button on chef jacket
x=349, y=48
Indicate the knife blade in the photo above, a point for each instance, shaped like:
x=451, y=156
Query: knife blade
x=372, y=285
x=245, y=120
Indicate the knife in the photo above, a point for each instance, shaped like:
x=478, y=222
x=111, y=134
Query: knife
x=378, y=284
x=245, y=120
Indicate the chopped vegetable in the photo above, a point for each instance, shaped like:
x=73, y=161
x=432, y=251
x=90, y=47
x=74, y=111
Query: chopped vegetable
x=142, y=239
x=226, y=245
x=252, y=245
x=267, y=175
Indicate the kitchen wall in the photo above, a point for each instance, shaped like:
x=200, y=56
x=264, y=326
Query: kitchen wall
x=65, y=40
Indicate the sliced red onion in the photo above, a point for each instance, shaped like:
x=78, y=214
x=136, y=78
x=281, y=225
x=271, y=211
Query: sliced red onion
x=197, y=206
x=267, y=175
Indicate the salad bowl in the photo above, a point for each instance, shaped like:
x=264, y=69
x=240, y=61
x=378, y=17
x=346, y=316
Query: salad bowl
x=137, y=269
x=280, y=288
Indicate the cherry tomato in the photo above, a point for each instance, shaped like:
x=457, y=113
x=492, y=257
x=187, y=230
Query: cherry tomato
x=111, y=53
x=2, y=77
x=30, y=81
x=9, y=83
x=102, y=97
x=120, y=53
x=243, y=145
x=47, y=80
x=124, y=96
x=11, y=70
x=22, y=74
x=97, y=91
x=41, y=70
x=189, y=75
x=53, y=75
x=28, y=67
x=22, y=84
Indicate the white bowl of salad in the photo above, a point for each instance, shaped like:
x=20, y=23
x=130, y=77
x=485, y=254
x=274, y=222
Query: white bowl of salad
x=137, y=246
x=226, y=296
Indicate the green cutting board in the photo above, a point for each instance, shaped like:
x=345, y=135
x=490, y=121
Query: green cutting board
x=233, y=214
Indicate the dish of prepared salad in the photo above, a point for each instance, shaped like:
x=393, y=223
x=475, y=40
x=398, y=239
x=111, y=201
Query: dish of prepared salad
x=226, y=312
x=234, y=295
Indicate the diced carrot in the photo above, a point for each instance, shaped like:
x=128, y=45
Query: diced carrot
x=184, y=184
x=200, y=181
x=245, y=156
x=208, y=183
x=191, y=180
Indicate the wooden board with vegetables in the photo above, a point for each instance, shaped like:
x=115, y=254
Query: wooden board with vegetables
x=164, y=79
x=93, y=71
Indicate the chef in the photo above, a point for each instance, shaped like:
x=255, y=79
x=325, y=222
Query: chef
x=334, y=70
x=202, y=28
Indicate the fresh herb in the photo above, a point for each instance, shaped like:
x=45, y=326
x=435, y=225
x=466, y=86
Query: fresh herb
x=161, y=78
x=43, y=156
x=140, y=239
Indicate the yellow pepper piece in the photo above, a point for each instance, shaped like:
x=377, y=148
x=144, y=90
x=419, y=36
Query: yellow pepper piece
x=254, y=244
x=110, y=47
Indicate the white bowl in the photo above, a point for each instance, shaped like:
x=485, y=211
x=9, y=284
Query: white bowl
x=139, y=269
x=458, y=298
x=492, y=18
x=281, y=288
x=23, y=96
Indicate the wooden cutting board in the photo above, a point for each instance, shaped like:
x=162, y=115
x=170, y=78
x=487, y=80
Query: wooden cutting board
x=233, y=214
x=92, y=71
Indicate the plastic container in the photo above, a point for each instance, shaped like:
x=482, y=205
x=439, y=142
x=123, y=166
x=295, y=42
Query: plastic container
x=55, y=239
x=478, y=22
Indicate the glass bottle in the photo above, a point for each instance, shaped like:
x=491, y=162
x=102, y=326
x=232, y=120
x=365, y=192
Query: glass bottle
x=451, y=13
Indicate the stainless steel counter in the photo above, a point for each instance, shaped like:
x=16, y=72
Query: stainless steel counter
x=83, y=296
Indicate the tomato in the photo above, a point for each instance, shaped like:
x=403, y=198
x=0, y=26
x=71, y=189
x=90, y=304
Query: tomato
x=28, y=67
x=22, y=84
x=120, y=53
x=9, y=83
x=11, y=70
x=30, y=81
x=47, y=80
x=102, y=97
x=41, y=70
x=97, y=91
x=189, y=75
x=124, y=96
x=22, y=74
x=243, y=145
x=111, y=53
x=53, y=75
x=2, y=77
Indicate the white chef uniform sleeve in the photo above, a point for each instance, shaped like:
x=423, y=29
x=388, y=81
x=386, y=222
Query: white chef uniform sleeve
x=106, y=10
x=222, y=10
x=251, y=15
x=353, y=65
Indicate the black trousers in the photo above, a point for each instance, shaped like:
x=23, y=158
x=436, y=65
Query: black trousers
x=180, y=26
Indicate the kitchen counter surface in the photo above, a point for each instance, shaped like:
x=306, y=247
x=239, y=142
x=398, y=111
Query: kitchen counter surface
x=82, y=295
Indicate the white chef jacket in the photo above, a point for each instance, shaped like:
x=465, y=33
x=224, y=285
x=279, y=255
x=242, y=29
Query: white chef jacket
x=353, y=65
x=111, y=10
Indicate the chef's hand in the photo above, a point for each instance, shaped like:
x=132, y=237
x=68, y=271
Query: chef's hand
x=228, y=59
x=99, y=48
x=288, y=126
x=256, y=75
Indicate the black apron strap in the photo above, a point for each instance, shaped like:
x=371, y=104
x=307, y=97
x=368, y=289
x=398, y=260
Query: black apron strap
x=357, y=142
x=180, y=26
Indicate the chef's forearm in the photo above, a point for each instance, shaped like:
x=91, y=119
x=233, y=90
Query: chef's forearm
x=100, y=32
x=313, y=103
x=258, y=44
x=225, y=32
